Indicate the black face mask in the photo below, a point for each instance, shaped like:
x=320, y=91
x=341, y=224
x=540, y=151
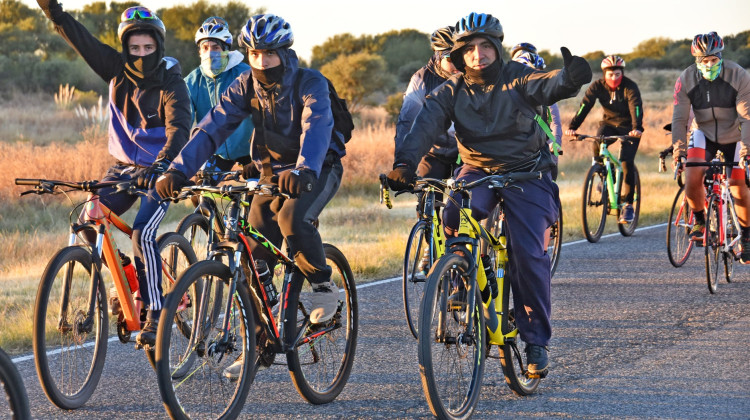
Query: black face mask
x=268, y=77
x=485, y=76
x=145, y=71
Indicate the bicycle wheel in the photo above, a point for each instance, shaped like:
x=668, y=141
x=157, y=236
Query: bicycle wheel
x=732, y=232
x=322, y=360
x=680, y=223
x=190, y=373
x=16, y=402
x=194, y=227
x=595, y=203
x=69, y=351
x=512, y=354
x=451, y=364
x=713, y=244
x=413, y=275
x=555, y=242
x=627, y=229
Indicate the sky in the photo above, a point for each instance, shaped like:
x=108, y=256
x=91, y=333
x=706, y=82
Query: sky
x=581, y=25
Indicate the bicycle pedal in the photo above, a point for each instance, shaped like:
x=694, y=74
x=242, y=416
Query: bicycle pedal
x=537, y=375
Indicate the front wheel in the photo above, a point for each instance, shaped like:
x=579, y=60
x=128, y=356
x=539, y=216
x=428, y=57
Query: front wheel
x=12, y=384
x=70, y=341
x=627, y=229
x=322, y=358
x=451, y=362
x=415, y=272
x=732, y=234
x=680, y=224
x=713, y=244
x=595, y=203
x=554, y=244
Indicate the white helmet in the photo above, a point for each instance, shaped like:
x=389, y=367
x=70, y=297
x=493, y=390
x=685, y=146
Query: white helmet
x=215, y=28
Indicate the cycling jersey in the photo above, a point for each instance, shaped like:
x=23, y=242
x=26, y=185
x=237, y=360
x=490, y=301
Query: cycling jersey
x=622, y=106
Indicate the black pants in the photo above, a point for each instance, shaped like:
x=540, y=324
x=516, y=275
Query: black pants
x=628, y=149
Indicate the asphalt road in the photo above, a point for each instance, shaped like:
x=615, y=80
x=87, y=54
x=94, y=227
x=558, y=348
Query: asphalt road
x=633, y=338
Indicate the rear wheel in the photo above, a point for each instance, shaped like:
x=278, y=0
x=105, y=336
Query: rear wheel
x=713, y=244
x=554, y=246
x=732, y=233
x=16, y=402
x=627, y=229
x=680, y=223
x=595, y=203
x=415, y=273
x=194, y=227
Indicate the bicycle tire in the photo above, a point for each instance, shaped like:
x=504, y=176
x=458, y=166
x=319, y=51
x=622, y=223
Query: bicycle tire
x=194, y=227
x=413, y=277
x=15, y=392
x=712, y=244
x=191, y=377
x=627, y=229
x=72, y=388
x=555, y=242
x=452, y=393
x=679, y=245
x=595, y=204
x=731, y=231
x=319, y=375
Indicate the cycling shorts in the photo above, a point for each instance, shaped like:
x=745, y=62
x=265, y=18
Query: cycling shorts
x=701, y=147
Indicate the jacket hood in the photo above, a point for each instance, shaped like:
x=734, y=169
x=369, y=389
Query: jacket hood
x=457, y=57
x=235, y=57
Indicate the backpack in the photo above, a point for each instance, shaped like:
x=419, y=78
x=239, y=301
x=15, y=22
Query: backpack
x=342, y=118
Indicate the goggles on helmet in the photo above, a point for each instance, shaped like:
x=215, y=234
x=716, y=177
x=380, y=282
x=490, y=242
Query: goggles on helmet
x=137, y=13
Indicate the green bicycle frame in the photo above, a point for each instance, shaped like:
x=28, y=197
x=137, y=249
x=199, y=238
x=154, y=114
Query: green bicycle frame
x=609, y=161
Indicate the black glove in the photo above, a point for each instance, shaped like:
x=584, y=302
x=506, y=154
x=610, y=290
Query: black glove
x=576, y=68
x=402, y=177
x=250, y=171
x=147, y=178
x=51, y=8
x=296, y=181
x=170, y=184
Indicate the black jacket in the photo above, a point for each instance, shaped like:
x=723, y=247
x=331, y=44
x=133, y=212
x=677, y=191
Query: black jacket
x=623, y=107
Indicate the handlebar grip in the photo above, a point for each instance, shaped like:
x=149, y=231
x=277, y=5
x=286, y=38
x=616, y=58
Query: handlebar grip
x=27, y=181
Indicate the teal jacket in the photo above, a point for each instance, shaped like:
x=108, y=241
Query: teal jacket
x=204, y=95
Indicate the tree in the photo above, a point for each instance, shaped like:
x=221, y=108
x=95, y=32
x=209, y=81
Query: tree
x=338, y=45
x=357, y=76
x=403, y=47
x=651, y=48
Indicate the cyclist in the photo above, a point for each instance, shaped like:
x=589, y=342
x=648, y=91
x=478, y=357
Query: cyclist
x=150, y=121
x=218, y=68
x=718, y=91
x=623, y=115
x=295, y=144
x=495, y=136
x=442, y=158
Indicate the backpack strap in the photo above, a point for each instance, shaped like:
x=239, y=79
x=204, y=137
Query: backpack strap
x=528, y=111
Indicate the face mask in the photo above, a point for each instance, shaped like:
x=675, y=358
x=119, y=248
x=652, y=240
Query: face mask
x=144, y=64
x=710, y=73
x=613, y=84
x=214, y=62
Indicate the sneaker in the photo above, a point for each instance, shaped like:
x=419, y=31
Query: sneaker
x=325, y=301
x=697, y=232
x=745, y=251
x=424, y=267
x=147, y=336
x=627, y=215
x=537, y=360
x=232, y=372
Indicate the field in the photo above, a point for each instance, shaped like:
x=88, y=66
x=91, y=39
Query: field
x=42, y=139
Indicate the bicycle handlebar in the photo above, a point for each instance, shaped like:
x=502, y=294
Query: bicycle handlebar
x=496, y=181
x=606, y=139
x=47, y=186
x=713, y=164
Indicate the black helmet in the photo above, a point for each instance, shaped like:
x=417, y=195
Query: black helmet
x=140, y=18
x=442, y=39
x=706, y=44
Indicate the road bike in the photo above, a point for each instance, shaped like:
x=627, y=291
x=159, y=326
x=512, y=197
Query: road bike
x=241, y=317
x=16, y=402
x=71, y=316
x=681, y=220
x=601, y=190
x=426, y=243
x=467, y=308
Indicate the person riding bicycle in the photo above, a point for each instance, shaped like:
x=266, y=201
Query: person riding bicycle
x=218, y=68
x=495, y=136
x=623, y=115
x=295, y=144
x=150, y=122
x=718, y=90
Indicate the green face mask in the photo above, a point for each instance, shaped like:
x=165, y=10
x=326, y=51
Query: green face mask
x=214, y=62
x=710, y=73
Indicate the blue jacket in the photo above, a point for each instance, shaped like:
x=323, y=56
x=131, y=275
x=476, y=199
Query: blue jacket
x=204, y=95
x=306, y=122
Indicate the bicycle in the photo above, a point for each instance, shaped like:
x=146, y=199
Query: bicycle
x=426, y=243
x=455, y=329
x=681, y=220
x=238, y=312
x=16, y=402
x=601, y=192
x=71, y=317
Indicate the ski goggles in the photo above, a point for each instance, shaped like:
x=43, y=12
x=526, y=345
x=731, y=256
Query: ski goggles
x=137, y=13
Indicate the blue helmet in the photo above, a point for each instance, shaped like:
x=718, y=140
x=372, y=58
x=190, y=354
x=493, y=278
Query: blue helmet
x=215, y=28
x=478, y=24
x=519, y=48
x=266, y=32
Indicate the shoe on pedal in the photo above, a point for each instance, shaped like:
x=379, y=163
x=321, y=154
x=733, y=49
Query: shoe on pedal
x=697, y=232
x=628, y=214
x=147, y=336
x=537, y=360
x=745, y=251
x=325, y=301
x=232, y=372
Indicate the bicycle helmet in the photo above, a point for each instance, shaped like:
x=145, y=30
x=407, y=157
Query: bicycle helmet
x=519, y=48
x=527, y=58
x=442, y=39
x=476, y=24
x=540, y=64
x=214, y=28
x=612, y=62
x=266, y=32
x=139, y=18
x=707, y=44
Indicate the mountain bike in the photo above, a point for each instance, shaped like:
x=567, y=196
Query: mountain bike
x=16, y=401
x=601, y=190
x=239, y=315
x=426, y=243
x=71, y=319
x=467, y=307
x=681, y=220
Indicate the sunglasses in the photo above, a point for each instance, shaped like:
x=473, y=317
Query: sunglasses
x=137, y=13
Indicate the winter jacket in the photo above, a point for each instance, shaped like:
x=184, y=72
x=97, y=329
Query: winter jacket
x=303, y=126
x=424, y=81
x=204, y=95
x=721, y=106
x=491, y=130
x=623, y=107
x=144, y=123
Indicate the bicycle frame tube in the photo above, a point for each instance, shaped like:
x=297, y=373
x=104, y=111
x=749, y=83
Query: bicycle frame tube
x=436, y=238
x=610, y=163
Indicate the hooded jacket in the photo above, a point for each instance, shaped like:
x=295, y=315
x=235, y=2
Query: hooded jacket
x=424, y=81
x=205, y=92
x=623, y=107
x=145, y=123
x=303, y=126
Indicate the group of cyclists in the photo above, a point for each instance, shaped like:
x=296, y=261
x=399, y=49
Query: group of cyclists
x=464, y=115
